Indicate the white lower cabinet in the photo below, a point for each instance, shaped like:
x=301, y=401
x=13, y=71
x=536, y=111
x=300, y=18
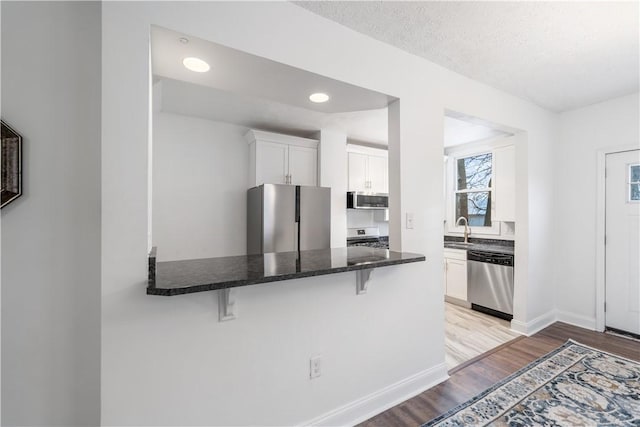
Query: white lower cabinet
x=455, y=274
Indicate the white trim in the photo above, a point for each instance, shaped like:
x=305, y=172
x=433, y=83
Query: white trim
x=365, y=149
x=368, y=406
x=254, y=135
x=488, y=144
x=578, y=320
x=535, y=325
x=600, y=230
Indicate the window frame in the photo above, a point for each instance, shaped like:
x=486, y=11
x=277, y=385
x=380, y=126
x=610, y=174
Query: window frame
x=453, y=191
x=630, y=183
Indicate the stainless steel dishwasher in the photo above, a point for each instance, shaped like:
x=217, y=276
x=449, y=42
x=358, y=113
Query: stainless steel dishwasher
x=490, y=283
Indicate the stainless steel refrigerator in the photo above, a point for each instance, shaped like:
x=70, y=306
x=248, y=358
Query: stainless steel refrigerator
x=284, y=218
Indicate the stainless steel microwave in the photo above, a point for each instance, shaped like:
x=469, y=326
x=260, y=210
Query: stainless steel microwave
x=362, y=200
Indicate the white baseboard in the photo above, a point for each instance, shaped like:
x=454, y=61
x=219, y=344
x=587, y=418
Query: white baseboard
x=576, y=319
x=368, y=406
x=535, y=325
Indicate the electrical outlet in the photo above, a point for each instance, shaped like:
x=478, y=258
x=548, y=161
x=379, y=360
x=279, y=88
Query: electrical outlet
x=409, y=220
x=315, y=367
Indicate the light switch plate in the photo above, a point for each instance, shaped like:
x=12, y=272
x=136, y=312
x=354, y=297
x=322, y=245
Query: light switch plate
x=409, y=221
x=315, y=367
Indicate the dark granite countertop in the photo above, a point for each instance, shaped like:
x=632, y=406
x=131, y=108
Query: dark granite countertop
x=198, y=275
x=484, y=245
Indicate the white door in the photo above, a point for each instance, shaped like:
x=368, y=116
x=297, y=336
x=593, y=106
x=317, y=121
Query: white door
x=378, y=171
x=358, y=172
x=303, y=165
x=622, y=249
x=271, y=163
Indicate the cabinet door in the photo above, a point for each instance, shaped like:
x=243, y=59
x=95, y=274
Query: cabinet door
x=378, y=174
x=358, y=172
x=271, y=163
x=456, y=278
x=504, y=173
x=303, y=165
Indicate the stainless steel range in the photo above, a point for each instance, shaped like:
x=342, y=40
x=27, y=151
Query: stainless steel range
x=367, y=236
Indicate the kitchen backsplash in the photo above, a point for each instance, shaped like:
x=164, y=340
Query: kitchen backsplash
x=366, y=218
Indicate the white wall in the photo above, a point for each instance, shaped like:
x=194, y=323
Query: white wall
x=583, y=132
x=51, y=235
x=254, y=369
x=332, y=163
x=200, y=181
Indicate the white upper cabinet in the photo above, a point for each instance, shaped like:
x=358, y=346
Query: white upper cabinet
x=303, y=165
x=357, y=171
x=504, y=175
x=378, y=174
x=272, y=160
x=281, y=159
x=368, y=170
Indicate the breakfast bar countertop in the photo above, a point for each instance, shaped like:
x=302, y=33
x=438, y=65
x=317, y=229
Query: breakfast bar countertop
x=171, y=278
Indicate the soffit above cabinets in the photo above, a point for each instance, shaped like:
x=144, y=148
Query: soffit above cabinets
x=458, y=131
x=253, y=76
x=189, y=99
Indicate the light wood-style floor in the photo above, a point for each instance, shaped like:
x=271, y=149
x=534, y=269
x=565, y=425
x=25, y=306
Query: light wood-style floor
x=469, y=333
x=486, y=370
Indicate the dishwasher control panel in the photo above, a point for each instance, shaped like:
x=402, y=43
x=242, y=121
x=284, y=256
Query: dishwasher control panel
x=490, y=258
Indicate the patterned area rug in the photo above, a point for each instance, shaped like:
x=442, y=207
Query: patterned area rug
x=574, y=385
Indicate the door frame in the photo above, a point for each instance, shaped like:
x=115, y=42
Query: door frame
x=601, y=228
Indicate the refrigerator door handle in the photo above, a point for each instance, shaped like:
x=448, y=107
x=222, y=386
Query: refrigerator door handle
x=296, y=233
x=297, y=214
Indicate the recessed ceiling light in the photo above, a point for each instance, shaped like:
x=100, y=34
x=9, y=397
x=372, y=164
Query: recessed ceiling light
x=196, y=64
x=318, y=97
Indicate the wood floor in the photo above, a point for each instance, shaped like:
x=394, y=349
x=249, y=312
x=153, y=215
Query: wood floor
x=469, y=333
x=481, y=373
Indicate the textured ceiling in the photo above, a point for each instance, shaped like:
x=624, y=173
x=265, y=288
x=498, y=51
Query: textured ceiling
x=559, y=55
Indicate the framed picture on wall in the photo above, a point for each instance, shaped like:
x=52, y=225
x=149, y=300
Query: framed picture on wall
x=11, y=162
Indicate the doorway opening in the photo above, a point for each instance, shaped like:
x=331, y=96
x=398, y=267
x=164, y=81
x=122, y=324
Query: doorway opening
x=224, y=121
x=479, y=228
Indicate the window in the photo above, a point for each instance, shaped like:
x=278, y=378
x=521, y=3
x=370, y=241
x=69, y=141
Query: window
x=634, y=183
x=473, y=189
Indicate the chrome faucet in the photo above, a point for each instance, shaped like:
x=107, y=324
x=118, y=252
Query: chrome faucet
x=467, y=229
